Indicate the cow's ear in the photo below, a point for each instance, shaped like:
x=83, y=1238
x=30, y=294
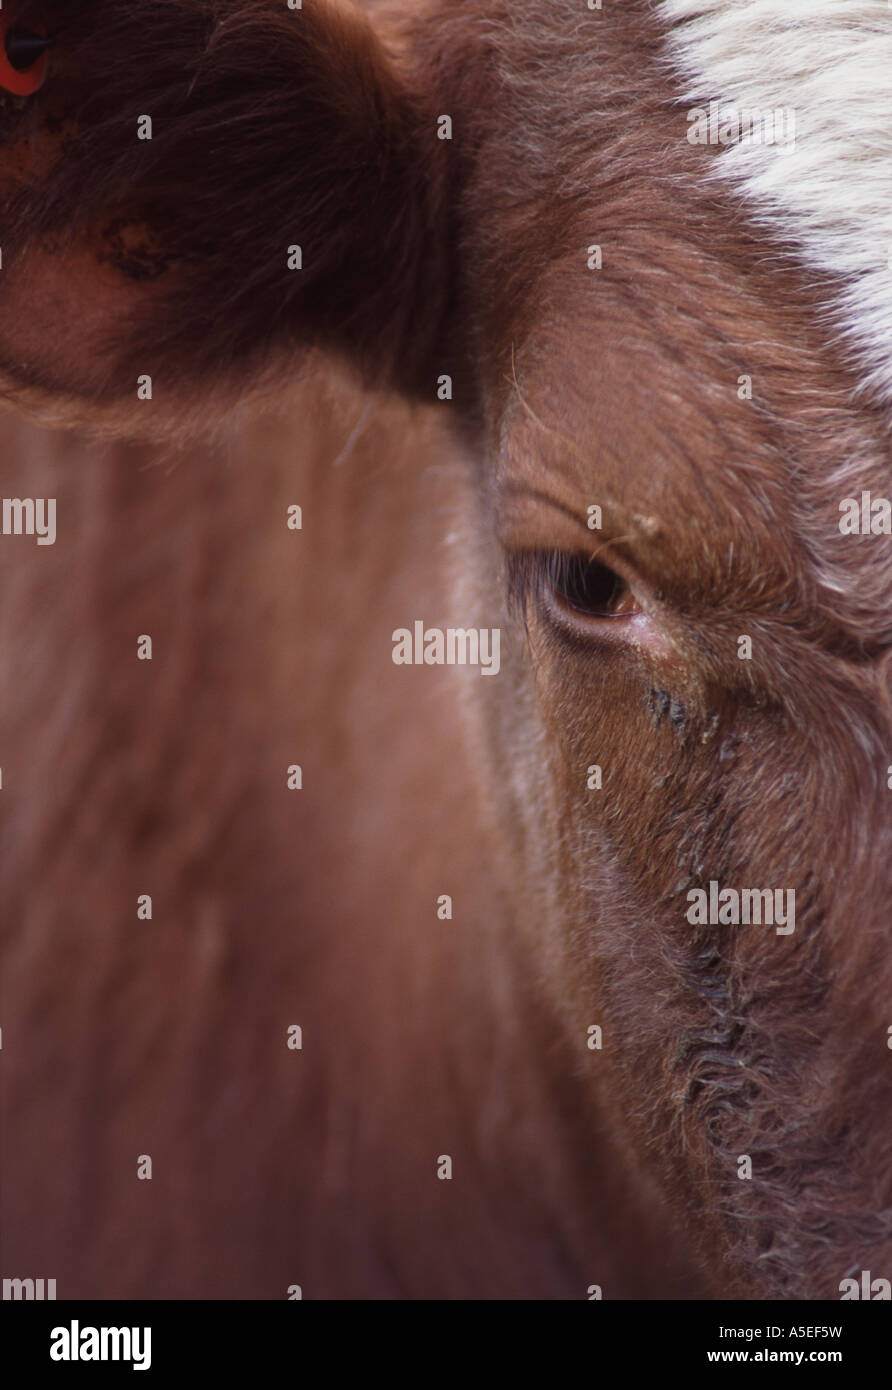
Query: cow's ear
x=200, y=183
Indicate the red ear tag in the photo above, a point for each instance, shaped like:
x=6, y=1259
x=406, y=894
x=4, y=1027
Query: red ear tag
x=23, y=60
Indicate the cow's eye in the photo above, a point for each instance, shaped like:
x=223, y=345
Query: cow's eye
x=587, y=586
x=576, y=585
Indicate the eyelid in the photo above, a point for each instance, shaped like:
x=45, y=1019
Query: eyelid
x=544, y=540
x=531, y=521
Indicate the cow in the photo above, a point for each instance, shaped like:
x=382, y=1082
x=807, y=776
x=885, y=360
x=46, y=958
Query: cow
x=333, y=968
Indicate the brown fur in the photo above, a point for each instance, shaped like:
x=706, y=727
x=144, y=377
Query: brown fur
x=421, y=1037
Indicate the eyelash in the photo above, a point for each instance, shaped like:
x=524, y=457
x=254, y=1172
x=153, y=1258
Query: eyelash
x=579, y=584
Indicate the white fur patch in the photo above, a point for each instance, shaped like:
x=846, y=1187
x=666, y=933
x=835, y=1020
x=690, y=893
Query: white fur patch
x=830, y=192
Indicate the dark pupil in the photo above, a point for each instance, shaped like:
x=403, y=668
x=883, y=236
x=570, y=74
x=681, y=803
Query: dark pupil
x=589, y=587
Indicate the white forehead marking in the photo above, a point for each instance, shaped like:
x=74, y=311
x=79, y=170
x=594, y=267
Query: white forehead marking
x=830, y=192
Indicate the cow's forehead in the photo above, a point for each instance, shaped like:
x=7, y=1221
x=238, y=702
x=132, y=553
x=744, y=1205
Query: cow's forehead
x=595, y=110
x=829, y=189
x=797, y=128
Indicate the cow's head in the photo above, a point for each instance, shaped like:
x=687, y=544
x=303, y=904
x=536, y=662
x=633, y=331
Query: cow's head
x=665, y=418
